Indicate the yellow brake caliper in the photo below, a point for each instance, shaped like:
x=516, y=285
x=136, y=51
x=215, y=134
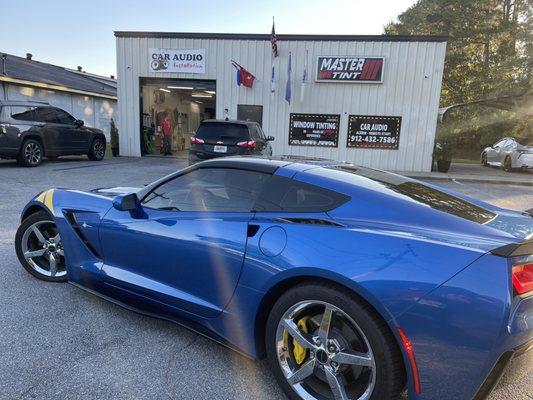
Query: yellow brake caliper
x=300, y=353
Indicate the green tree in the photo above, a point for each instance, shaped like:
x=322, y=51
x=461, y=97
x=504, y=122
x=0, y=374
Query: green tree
x=489, y=50
x=489, y=54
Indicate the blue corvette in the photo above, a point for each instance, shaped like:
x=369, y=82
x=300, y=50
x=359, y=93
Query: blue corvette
x=353, y=282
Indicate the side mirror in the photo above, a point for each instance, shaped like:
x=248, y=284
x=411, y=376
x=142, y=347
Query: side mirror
x=270, y=138
x=127, y=202
x=80, y=122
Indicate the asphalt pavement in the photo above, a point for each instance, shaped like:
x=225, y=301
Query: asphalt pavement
x=59, y=342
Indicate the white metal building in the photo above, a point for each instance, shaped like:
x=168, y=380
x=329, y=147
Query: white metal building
x=92, y=98
x=371, y=100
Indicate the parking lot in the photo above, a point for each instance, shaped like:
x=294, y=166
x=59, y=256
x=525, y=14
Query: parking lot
x=58, y=342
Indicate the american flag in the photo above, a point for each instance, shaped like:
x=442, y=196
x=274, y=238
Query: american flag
x=274, y=40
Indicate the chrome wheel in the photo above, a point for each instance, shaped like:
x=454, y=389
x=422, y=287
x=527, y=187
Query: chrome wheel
x=98, y=149
x=42, y=249
x=324, y=354
x=32, y=153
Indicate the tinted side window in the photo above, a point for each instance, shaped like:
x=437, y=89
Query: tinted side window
x=64, y=118
x=261, y=132
x=209, y=189
x=254, y=132
x=284, y=194
x=22, y=113
x=46, y=114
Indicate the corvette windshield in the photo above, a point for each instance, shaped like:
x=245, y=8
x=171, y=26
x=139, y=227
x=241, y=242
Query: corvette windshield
x=420, y=193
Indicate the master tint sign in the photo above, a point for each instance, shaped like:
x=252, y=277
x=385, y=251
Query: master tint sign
x=350, y=69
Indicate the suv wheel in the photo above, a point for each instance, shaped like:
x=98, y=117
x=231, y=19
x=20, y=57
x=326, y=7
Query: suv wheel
x=97, y=150
x=31, y=153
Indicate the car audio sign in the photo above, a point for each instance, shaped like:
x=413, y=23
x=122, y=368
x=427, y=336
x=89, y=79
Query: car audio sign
x=314, y=129
x=185, y=61
x=349, y=69
x=373, y=132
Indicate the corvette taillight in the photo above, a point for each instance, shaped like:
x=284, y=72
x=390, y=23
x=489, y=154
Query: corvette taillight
x=195, y=140
x=249, y=144
x=522, y=275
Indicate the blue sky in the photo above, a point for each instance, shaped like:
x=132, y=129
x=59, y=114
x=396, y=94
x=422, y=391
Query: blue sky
x=72, y=33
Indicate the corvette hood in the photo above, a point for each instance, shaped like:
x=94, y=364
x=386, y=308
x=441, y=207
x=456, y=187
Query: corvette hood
x=115, y=191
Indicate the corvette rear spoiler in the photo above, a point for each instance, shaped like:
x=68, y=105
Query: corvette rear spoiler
x=515, y=249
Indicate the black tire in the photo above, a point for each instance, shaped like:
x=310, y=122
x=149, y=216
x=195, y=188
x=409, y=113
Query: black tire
x=484, y=159
x=31, y=153
x=37, y=217
x=390, y=371
x=97, y=150
x=507, y=164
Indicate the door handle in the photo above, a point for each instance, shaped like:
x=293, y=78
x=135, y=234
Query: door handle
x=252, y=230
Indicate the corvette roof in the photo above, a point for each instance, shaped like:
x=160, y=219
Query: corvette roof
x=271, y=164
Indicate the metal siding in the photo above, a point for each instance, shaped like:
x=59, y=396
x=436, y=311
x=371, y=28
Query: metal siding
x=405, y=91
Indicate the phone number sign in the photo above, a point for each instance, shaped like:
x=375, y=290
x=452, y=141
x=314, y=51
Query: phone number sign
x=374, y=132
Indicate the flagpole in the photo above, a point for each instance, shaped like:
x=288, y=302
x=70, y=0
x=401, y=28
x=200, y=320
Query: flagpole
x=304, y=76
x=273, y=56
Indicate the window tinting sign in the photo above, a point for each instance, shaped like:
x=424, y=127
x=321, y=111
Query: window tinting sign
x=314, y=130
x=349, y=69
x=374, y=132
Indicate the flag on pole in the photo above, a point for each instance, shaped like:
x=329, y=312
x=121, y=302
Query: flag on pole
x=274, y=40
x=244, y=77
x=288, y=86
x=304, y=78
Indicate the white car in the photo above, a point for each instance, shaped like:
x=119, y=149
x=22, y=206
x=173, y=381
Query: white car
x=508, y=154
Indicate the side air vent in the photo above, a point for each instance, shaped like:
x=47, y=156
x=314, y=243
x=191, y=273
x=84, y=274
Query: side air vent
x=71, y=218
x=309, y=221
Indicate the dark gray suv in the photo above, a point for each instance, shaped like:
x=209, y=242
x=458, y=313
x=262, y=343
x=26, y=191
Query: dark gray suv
x=218, y=138
x=30, y=131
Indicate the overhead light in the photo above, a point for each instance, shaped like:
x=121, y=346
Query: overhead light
x=164, y=90
x=180, y=87
x=207, y=96
x=198, y=101
x=210, y=91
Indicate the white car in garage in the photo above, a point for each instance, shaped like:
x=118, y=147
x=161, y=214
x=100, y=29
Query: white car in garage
x=509, y=154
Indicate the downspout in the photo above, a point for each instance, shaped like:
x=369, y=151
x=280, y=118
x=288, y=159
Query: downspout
x=4, y=56
x=4, y=87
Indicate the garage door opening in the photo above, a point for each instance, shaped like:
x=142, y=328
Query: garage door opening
x=172, y=110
